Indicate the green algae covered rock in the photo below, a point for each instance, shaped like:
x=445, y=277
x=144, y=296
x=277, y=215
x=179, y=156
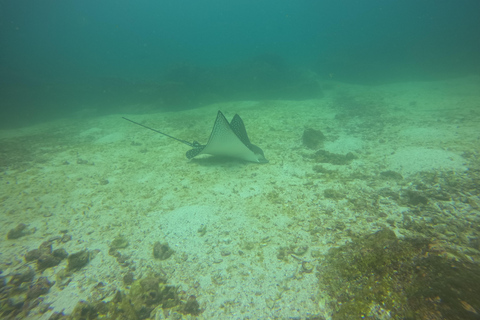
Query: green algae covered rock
x=313, y=139
x=379, y=276
x=78, y=260
x=145, y=298
x=120, y=242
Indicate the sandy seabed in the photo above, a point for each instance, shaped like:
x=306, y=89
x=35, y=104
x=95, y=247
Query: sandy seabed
x=228, y=221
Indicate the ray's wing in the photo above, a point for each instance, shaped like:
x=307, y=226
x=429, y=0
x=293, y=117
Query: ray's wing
x=197, y=149
x=238, y=127
x=225, y=142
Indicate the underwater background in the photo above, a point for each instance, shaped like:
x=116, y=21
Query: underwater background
x=368, y=112
x=62, y=57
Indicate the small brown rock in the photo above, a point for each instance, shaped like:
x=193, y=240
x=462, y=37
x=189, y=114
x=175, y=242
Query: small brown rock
x=162, y=251
x=32, y=255
x=313, y=139
x=17, y=232
x=66, y=238
x=128, y=278
x=24, y=275
x=45, y=248
x=60, y=253
x=113, y=252
x=42, y=286
x=78, y=260
x=47, y=261
x=192, y=306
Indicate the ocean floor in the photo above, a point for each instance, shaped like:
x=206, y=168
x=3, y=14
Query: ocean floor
x=248, y=239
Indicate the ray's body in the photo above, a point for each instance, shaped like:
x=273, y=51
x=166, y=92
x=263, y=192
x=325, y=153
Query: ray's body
x=226, y=139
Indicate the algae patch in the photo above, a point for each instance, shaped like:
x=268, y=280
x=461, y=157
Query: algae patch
x=380, y=276
x=323, y=156
x=147, y=298
x=313, y=139
x=120, y=242
x=162, y=251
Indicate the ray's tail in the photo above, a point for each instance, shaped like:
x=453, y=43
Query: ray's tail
x=193, y=145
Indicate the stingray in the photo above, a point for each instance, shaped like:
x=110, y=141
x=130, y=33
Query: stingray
x=226, y=140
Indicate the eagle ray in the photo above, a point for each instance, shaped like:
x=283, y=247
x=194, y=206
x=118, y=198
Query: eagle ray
x=226, y=140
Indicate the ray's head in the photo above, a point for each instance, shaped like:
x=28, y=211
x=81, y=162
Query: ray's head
x=258, y=154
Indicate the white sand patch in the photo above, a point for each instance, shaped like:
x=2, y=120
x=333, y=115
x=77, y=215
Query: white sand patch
x=426, y=134
x=181, y=226
x=344, y=145
x=412, y=160
x=220, y=260
x=113, y=137
x=91, y=132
